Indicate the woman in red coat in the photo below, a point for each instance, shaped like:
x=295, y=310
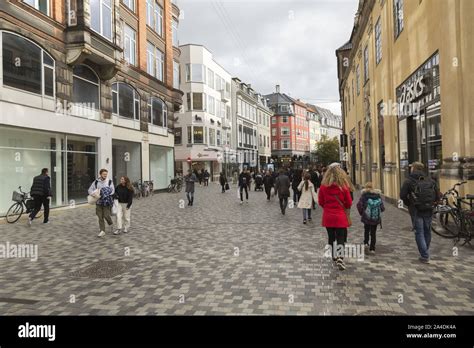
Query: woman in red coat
x=334, y=197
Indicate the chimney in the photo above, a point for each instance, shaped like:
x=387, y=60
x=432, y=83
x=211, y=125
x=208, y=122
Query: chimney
x=277, y=88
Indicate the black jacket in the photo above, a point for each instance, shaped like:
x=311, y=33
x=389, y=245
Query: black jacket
x=268, y=181
x=315, y=178
x=282, y=185
x=41, y=186
x=222, y=179
x=241, y=181
x=296, y=179
x=124, y=195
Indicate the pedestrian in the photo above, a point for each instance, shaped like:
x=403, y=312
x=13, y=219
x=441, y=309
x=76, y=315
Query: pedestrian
x=206, y=177
x=190, y=179
x=268, y=183
x=282, y=186
x=334, y=197
x=200, y=176
x=370, y=208
x=307, y=197
x=315, y=180
x=124, y=195
x=103, y=208
x=419, y=192
x=244, y=184
x=223, y=181
x=41, y=193
x=295, y=182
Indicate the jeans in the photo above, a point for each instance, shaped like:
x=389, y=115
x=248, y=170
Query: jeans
x=103, y=213
x=369, y=232
x=123, y=214
x=423, y=234
x=283, y=203
x=306, y=214
x=38, y=202
x=190, y=196
x=242, y=188
x=338, y=235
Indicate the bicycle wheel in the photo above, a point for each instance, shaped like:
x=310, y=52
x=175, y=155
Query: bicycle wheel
x=14, y=213
x=179, y=188
x=445, y=224
x=170, y=188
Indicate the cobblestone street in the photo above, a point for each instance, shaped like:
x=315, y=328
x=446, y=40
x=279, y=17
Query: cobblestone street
x=220, y=257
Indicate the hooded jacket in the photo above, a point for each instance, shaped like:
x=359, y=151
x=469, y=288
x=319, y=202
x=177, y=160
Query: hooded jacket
x=367, y=194
x=333, y=212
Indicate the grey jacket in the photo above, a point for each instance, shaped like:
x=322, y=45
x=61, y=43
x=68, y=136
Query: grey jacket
x=190, y=180
x=282, y=185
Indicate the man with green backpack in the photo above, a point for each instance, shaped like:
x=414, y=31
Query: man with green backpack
x=370, y=208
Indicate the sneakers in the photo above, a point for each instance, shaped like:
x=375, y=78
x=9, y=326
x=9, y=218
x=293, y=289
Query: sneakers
x=372, y=252
x=304, y=222
x=241, y=202
x=30, y=221
x=46, y=222
x=366, y=248
x=101, y=234
x=117, y=232
x=424, y=260
x=112, y=230
x=340, y=264
x=125, y=231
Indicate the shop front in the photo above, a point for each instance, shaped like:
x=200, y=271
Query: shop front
x=126, y=160
x=161, y=166
x=419, y=119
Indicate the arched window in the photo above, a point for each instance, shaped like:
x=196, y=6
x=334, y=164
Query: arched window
x=158, y=112
x=126, y=101
x=85, y=87
x=27, y=66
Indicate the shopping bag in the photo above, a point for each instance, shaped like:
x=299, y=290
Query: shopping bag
x=94, y=197
x=227, y=187
x=115, y=207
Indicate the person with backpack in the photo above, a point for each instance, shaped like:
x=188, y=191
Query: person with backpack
x=268, y=183
x=307, y=197
x=419, y=192
x=41, y=193
x=282, y=186
x=206, y=176
x=124, y=195
x=190, y=179
x=103, y=208
x=244, y=184
x=335, y=199
x=370, y=208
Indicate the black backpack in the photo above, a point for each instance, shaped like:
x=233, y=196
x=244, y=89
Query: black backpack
x=423, y=194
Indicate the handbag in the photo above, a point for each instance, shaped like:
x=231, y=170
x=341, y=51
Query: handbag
x=227, y=187
x=347, y=211
x=94, y=197
x=115, y=208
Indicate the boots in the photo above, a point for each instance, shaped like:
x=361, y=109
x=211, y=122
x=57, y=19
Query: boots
x=192, y=200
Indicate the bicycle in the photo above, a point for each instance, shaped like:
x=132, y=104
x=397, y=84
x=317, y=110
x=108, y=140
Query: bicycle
x=176, y=185
x=137, y=189
x=23, y=203
x=451, y=220
x=147, y=188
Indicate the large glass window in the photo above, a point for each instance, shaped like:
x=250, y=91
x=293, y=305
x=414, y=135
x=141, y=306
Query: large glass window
x=198, y=103
x=85, y=87
x=211, y=105
x=161, y=166
x=155, y=61
x=26, y=66
x=130, y=44
x=101, y=17
x=150, y=59
x=158, y=112
x=198, y=135
x=126, y=101
x=40, y=5
x=195, y=73
x=158, y=19
x=126, y=160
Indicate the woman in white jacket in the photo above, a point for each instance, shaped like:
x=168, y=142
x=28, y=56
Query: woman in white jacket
x=308, y=194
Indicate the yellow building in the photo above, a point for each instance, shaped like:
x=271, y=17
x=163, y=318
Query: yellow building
x=407, y=92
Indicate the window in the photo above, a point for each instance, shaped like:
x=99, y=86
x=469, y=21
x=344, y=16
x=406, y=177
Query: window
x=274, y=132
x=210, y=78
x=398, y=14
x=284, y=119
x=101, y=17
x=178, y=136
x=130, y=44
x=130, y=4
x=125, y=100
x=275, y=145
x=198, y=135
x=211, y=105
x=85, y=87
x=366, y=63
x=285, y=131
x=212, y=137
x=26, y=66
x=378, y=41
x=274, y=120
x=198, y=103
x=239, y=107
x=157, y=112
x=352, y=91
x=150, y=59
x=218, y=138
x=158, y=17
x=190, y=135
x=195, y=73
x=285, y=144
x=284, y=108
x=155, y=62
x=149, y=12
x=174, y=24
x=358, y=79
x=40, y=5
x=176, y=78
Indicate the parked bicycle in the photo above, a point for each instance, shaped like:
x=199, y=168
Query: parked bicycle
x=451, y=218
x=176, y=185
x=147, y=188
x=24, y=203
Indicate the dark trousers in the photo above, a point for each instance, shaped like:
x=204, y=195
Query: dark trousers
x=223, y=188
x=206, y=181
x=38, y=202
x=296, y=195
x=369, y=232
x=268, y=191
x=338, y=235
x=103, y=213
x=283, y=203
x=242, y=188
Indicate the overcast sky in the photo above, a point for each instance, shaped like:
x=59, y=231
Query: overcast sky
x=268, y=42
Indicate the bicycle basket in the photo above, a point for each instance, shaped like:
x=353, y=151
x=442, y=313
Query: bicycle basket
x=17, y=197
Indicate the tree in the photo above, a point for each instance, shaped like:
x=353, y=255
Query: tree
x=327, y=151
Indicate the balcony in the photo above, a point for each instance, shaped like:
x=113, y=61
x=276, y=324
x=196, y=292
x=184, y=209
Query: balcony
x=83, y=43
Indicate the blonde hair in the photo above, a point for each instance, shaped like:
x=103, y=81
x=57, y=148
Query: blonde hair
x=368, y=185
x=336, y=175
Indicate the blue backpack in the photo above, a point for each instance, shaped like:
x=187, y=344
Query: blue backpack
x=373, y=210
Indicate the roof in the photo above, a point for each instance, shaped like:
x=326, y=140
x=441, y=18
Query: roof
x=345, y=47
x=325, y=113
x=277, y=98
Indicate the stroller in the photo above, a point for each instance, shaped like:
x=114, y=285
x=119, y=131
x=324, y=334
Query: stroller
x=258, y=182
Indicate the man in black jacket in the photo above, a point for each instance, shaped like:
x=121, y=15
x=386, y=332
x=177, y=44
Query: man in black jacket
x=420, y=193
x=282, y=186
x=41, y=193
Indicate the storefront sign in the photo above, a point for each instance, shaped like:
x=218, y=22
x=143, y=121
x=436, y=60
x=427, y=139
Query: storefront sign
x=413, y=90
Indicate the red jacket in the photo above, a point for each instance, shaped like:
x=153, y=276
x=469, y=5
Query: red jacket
x=333, y=212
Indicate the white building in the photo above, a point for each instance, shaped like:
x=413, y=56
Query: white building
x=203, y=129
x=264, y=115
x=314, y=127
x=331, y=125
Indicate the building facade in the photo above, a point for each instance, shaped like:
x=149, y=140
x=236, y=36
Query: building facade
x=314, y=126
x=203, y=128
x=264, y=115
x=79, y=91
x=331, y=124
x=405, y=81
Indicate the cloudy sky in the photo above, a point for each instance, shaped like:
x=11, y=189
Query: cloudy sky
x=268, y=42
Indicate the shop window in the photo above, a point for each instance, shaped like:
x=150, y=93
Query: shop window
x=26, y=66
x=85, y=87
x=158, y=112
x=126, y=101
